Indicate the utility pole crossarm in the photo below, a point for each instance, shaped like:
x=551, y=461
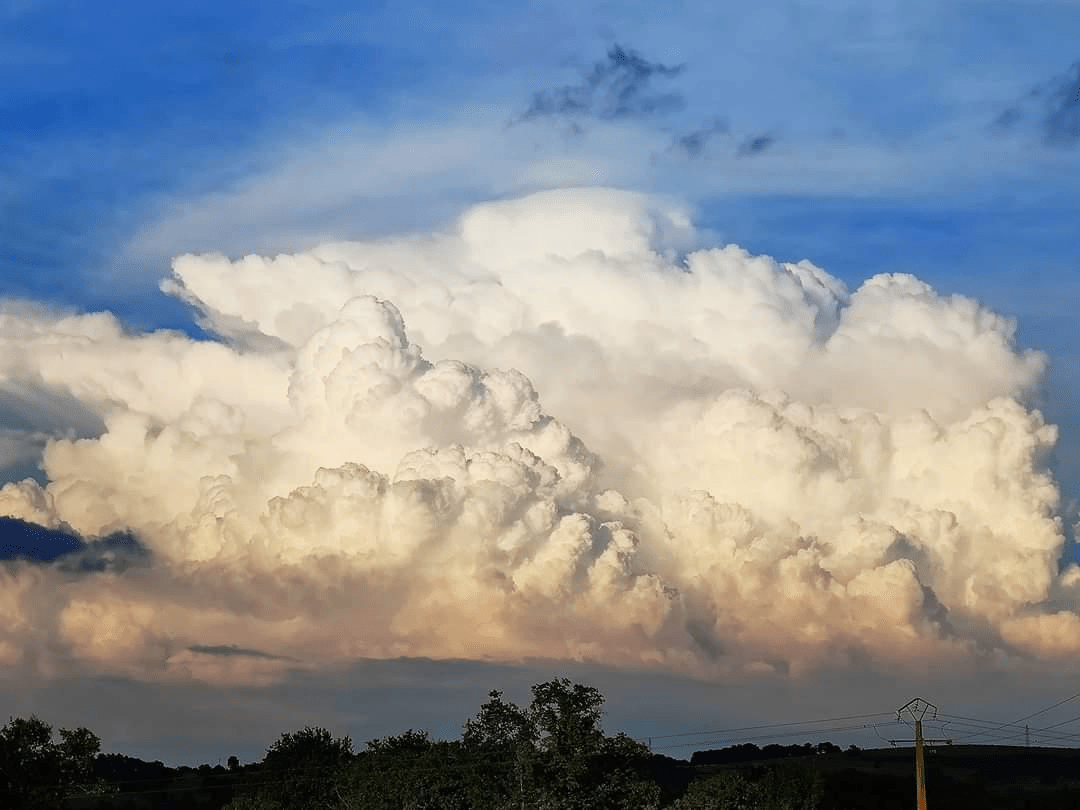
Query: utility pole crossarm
x=917, y=709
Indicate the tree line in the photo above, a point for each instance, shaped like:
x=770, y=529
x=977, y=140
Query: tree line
x=551, y=753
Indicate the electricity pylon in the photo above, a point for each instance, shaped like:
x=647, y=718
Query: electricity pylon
x=917, y=709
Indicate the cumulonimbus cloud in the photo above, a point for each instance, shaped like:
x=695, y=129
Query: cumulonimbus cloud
x=563, y=427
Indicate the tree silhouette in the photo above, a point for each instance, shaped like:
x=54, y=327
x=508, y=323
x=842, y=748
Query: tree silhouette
x=37, y=772
x=554, y=753
x=301, y=770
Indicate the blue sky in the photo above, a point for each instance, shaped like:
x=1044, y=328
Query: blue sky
x=125, y=132
x=932, y=137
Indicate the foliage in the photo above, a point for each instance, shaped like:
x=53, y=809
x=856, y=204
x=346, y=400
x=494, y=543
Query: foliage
x=310, y=748
x=553, y=754
x=566, y=717
x=498, y=748
x=254, y=801
x=791, y=788
x=728, y=790
x=38, y=772
x=784, y=788
x=498, y=728
x=412, y=771
x=549, y=755
x=301, y=770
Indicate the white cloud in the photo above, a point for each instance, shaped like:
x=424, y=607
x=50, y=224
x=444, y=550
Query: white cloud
x=546, y=430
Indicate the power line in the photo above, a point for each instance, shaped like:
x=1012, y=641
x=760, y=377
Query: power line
x=984, y=728
x=1036, y=714
x=1048, y=708
x=771, y=736
x=1062, y=723
x=770, y=725
x=1003, y=731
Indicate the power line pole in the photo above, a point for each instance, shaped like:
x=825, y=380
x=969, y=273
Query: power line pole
x=917, y=709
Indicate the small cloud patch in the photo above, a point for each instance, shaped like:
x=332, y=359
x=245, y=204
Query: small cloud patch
x=693, y=144
x=231, y=650
x=1061, y=126
x=1054, y=105
x=617, y=87
x=755, y=145
x=115, y=552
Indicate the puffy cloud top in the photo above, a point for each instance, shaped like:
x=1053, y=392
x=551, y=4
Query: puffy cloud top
x=562, y=427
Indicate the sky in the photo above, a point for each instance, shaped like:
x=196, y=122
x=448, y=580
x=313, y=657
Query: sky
x=358, y=361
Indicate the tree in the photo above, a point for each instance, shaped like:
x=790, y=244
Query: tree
x=791, y=788
x=499, y=727
x=300, y=770
x=566, y=717
x=554, y=754
x=499, y=744
x=625, y=775
x=565, y=720
x=36, y=772
x=728, y=790
x=309, y=748
x=784, y=788
x=410, y=771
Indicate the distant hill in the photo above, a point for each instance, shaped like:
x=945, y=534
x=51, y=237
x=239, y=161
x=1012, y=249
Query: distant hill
x=957, y=776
